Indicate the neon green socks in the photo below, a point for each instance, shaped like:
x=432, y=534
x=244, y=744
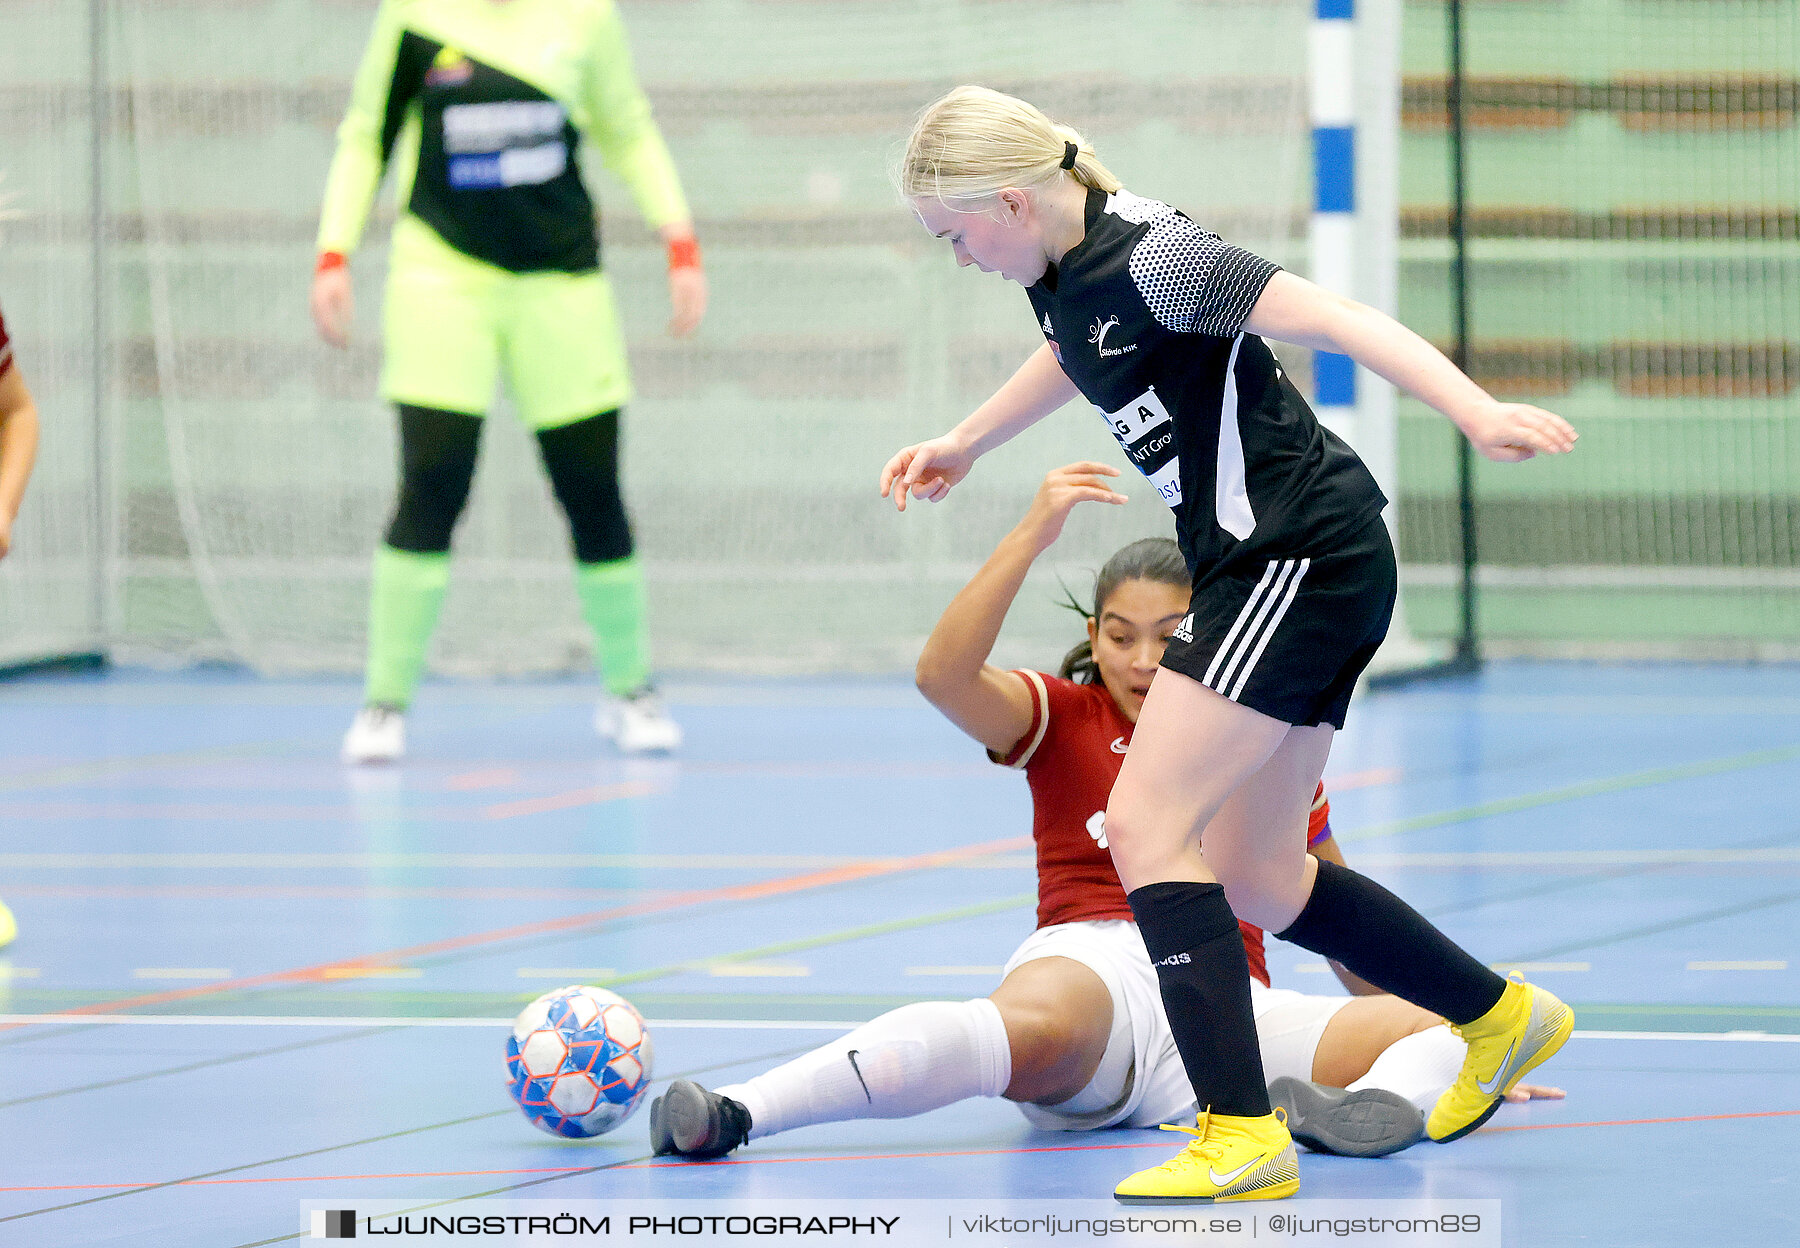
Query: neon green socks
x=408, y=590
x=612, y=603
x=404, y=598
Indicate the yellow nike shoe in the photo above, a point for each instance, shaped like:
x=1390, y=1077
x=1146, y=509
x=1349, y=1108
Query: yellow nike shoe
x=1523, y=1029
x=1228, y=1159
x=8, y=928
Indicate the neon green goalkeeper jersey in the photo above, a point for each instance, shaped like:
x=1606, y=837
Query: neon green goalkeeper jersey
x=481, y=106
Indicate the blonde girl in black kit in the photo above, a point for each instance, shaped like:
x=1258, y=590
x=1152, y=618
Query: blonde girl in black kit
x=1160, y=324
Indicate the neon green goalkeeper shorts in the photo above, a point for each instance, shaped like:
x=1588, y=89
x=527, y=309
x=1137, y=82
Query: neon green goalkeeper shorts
x=455, y=326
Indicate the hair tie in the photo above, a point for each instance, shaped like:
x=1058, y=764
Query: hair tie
x=1069, y=153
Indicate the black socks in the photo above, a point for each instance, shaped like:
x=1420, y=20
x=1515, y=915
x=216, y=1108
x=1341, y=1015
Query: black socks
x=1193, y=939
x=1356, y=921
x=1201, y=966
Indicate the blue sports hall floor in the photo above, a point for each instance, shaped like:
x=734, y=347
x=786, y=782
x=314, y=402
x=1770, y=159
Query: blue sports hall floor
x=247, y=976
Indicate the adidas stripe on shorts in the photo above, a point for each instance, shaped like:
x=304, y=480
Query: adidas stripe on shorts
x=1289, y=637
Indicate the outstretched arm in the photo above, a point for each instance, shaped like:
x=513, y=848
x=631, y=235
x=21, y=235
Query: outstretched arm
x=989, y=703
x=927, y=470
x=18, y=446
x=1292, y=309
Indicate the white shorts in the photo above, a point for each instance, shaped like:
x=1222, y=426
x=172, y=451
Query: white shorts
x=1140, y=1081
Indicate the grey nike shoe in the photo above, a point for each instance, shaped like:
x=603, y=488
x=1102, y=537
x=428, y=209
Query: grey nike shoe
x=689, y=1121
x=1370, y=1122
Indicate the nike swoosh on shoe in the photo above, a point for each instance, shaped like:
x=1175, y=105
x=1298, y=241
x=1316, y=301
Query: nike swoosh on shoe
x=1491, y=1087
x=1221, y=1180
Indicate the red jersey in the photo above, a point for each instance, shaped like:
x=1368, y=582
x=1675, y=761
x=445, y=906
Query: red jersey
x=6, y=350
x=1071, y=756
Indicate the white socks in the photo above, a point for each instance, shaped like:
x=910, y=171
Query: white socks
x=909, y=1060
x=1419, y=1067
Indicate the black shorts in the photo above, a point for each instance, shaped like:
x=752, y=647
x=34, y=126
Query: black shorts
x=1290, y=636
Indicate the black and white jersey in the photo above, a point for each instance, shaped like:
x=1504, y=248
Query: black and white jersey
x=496, y=172
x=482, y=110
x=1146, y=316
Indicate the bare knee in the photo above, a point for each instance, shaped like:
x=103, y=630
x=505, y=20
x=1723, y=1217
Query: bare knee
x=1142, y=851
x=1045, y=1053
x=1058, y=1018
x=1268, y=893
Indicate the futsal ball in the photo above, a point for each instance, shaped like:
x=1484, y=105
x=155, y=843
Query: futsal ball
x=578, y=1061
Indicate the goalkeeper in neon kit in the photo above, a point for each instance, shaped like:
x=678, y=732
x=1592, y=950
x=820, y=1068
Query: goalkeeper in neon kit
x=481, y=107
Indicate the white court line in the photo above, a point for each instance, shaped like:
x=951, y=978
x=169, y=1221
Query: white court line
x=572, y=974
x=1578, y=858
x=1583, y=857
x=1320, y=968
x=692, y=1024
x=1753, y=1037
x=181, y=972
x=354, y=1020
x=984, y=971
x=1772, y=964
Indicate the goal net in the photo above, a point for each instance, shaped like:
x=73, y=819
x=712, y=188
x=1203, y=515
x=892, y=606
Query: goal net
x=1634, y=221
x=241, y=472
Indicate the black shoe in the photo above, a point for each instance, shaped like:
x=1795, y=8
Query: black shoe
x=1370, y=1122
x=689, y=1121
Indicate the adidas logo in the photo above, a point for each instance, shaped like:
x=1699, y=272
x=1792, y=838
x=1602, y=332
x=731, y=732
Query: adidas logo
x=1175, y=959
x=1184, y=631
x=1047, y=328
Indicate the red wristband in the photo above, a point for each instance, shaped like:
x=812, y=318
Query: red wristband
x=329, y=260
x=684, y=253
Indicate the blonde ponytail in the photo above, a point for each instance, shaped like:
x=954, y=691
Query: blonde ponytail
x=975, y=142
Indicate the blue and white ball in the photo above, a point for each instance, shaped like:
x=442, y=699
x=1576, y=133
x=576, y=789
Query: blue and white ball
x=579, y=1061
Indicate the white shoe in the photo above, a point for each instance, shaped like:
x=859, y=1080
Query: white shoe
x=377, y=735
x=638, y=723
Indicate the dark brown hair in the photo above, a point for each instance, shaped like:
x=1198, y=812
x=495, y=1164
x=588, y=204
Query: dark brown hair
x=1154, y=559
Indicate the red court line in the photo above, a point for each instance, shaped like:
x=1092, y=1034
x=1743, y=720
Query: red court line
x=1641, y=1122
x=299, y=1178
x=1085, y=1148
x=196, y=811
x=488, y=778
x=311, y=892
x=675, y=901
x=567, y=801
x=278, y=811
x=641, y=1165
x=782, y=1161
x=972, y=1152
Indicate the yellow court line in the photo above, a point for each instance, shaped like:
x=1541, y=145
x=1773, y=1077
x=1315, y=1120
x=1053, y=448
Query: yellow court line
x=370, y=972
x=182, y=972
x=568, y=974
